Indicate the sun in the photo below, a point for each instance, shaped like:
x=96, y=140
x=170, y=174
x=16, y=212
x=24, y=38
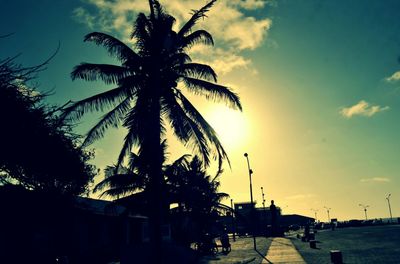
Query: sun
x=230, y=125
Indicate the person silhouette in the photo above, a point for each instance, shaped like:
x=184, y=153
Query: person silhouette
x=273, y=210
x=226, y=246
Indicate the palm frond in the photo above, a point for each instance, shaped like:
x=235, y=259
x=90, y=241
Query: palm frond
x=197, y=70
x=130, y=180
x=141, y=31
x=197, y=37
x=197, y=14
x=117, y=192
x=130, y=140
x=136, y=121
x=105, y=72
x=178, y=59
x=111, y=119
x=134, y=161
x=114, y=46
x=210, y=133
x=186, y=130
x=213, y=91
x=98, y=102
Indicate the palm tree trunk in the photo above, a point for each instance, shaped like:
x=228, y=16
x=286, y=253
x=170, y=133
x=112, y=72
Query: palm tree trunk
x=154, y=162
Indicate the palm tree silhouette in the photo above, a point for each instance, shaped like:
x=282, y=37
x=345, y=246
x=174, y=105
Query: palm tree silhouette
x=147, y=96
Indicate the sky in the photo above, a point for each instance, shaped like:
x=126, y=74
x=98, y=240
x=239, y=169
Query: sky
x=319, y=82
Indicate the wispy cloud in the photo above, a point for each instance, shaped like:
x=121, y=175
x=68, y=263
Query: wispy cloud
x=394, y=77
x=230, y=23
x=362, y=108
x=300, y=196
x=375, y=179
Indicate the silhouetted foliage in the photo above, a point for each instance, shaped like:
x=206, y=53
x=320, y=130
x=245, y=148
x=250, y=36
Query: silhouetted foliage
x=147, y=98
x=38, y=150
x=146, y=95
x=185, y=182
x=197, y=196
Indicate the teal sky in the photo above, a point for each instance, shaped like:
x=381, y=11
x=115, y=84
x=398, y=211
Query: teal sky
x=317, y=80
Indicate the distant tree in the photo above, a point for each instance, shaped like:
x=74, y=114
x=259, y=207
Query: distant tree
x=38, y=150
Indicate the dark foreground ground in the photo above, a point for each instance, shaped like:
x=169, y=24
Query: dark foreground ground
x=242, y=252
x=371, y=244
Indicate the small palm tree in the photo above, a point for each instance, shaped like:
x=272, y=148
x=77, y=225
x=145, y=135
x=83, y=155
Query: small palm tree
x=198, y=198
x=147, y=97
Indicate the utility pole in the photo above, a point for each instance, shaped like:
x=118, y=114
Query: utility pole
x=315, y=213
x=327, y=210
x=264, y=218
x=233, y=221
x=251, y=199
x=390, y=209
x=263, y=198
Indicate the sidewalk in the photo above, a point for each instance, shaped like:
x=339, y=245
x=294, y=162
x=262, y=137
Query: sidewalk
x=282, y=250
x=242, y=252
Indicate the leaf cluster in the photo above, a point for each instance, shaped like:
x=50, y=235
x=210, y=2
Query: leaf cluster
x=37, y=149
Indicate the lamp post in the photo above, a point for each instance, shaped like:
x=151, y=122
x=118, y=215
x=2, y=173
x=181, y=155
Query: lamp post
x=233, y=222
x=251, y=197
x=390, y=209
x=365, y=210
x=315, y=212
x=327, y=210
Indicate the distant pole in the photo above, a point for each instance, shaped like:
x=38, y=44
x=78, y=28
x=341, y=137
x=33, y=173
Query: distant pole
x=251, y=198
x=327, y=210
x=390, y=209
x=365, y=210
x=264, y=211
x=233, y=222
x=315, y=213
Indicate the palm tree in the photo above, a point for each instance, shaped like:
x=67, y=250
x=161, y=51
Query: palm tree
x=147, y=97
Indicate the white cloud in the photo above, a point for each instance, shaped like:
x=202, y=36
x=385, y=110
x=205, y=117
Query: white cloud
x=301, y=196
x=81, y=15
x=250, y=4
x=394, y=78
x=376, y=179
x=222, y=61
x=362, y=108
x=233, y=30
x=247, y=33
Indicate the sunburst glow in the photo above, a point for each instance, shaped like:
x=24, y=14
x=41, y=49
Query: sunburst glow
x=230, y=125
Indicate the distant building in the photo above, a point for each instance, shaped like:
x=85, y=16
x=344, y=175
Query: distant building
x=247, y=220
x=295, y=219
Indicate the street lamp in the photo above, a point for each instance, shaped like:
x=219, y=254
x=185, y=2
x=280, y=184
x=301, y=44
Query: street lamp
x=327, y=210
x=251, y=197
x=365, y=210
x=315, y=212
x=390, y=209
